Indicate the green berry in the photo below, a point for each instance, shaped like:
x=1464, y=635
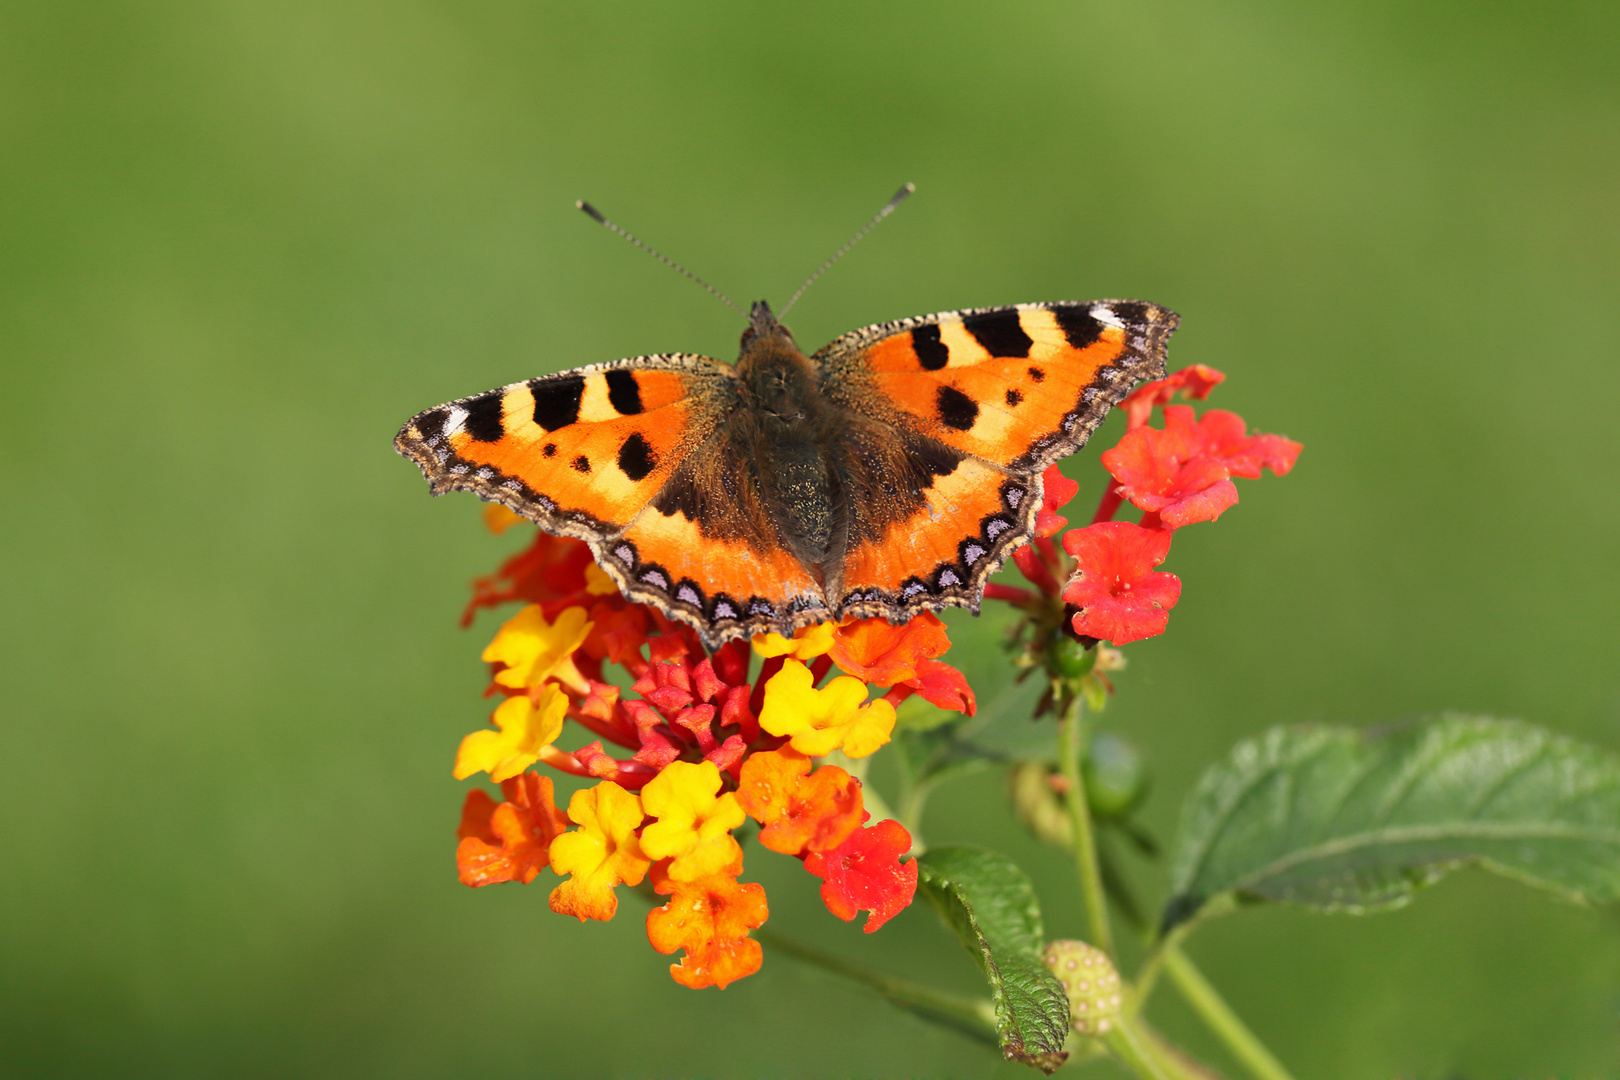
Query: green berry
x=1091, y=982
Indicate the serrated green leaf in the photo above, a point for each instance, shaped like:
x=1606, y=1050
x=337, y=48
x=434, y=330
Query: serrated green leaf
x=990, y=904
x=1337, y=819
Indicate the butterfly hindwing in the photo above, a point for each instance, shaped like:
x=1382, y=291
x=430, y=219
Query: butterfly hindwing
x=582, y=452
x=708, y=551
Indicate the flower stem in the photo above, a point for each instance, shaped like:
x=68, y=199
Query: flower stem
x=975, y=1018
x=1070, y=740
x=1133, y=1050
x=1171, y=1059
x=1219, y=1017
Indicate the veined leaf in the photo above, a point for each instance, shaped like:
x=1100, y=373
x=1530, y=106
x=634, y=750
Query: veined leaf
x=1337, y=819
x=991, y=905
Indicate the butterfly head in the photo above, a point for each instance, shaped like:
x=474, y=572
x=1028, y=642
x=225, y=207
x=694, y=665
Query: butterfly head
x=764, y=331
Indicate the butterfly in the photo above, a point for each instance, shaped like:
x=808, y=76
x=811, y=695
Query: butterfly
x=889, y=473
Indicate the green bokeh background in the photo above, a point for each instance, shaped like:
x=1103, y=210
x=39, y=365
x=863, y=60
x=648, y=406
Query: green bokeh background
x=241, y=242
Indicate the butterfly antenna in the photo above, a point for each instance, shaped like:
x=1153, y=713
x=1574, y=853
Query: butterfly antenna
x=899, y=197
x=666, y=260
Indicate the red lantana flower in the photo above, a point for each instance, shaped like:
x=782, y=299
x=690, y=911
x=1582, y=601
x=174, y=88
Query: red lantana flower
x=1169, y=472
x=1056, y=491
x=1194, y=382
x=865, y=873
x=1120, y=596
x=1225, y=439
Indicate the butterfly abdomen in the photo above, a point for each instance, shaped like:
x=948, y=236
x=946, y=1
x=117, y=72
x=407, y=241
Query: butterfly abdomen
x=786, y=424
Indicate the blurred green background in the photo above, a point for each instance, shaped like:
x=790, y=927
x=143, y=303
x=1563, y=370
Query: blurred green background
x=242, y=242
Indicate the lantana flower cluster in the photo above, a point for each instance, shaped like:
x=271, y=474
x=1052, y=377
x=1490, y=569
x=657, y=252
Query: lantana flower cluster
x=1177, y=475
x=703, y=743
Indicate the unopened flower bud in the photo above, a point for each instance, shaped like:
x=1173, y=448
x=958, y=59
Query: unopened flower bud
x=1068, y=659
x=1091, y=982
x=1116, y=778
x=1037, y=803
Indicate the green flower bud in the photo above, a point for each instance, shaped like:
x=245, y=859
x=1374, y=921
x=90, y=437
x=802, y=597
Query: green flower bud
x=1115, y=775
x=1091, y=982
x=1068, y=659
x=1037, y=803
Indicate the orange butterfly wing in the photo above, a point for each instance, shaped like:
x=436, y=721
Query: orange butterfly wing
x=989, y=397
x=627, y=456
x=582, y=452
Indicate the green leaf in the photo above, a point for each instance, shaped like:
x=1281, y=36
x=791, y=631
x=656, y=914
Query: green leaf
x=1341, y=820
x=990, y=904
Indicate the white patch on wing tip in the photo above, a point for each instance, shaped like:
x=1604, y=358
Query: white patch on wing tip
x=1105, y=315
x=454, y=417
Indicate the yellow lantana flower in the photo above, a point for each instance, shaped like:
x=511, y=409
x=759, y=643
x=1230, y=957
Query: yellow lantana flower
x=534, y=650
x=497, y=518
x=807, y=642
x=818, y=722
x=602, y=853
x=525, y=730
x=694, y=825
x=597, y=582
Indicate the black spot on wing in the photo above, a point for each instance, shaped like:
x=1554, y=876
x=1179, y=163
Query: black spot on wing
x=956, y=409
x=1014, y=397
x=1077, y=325
x=550, y=449
x=581, y=464
x=556, y=401
x=932, y=353
x=484, y=419
x=624, y=393
x=1037, y=374
x=636, y=458
x=1000, y=332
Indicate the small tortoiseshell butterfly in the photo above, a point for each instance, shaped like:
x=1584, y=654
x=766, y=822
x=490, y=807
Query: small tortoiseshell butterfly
x=891, y=472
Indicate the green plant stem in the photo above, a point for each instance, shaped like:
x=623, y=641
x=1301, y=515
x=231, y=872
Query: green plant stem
x=1134, y=1051
x=1170, y=1058
x=912, y=800
x=973, y=1017
x=1219, y=1017
x=1070, y=740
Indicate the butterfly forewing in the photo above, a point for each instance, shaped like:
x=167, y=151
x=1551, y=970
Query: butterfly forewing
x=580, y=453
x=1017, y=386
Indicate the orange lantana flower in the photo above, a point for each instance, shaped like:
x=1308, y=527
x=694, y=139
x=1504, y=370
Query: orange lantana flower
x=601, y=854
x=709, y=918
x=508, y=841
x=878, y=652
x=800, y=811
